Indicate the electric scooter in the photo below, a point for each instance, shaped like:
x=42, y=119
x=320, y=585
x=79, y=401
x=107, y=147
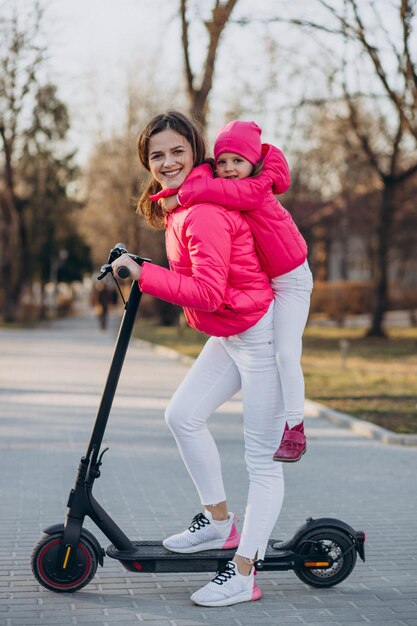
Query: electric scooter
x=322, y=552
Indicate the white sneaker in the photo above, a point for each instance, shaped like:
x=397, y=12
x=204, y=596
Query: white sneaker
x=204, y=534
x=228, y=587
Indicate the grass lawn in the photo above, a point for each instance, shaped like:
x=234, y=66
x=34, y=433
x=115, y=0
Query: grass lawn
x=376, y=380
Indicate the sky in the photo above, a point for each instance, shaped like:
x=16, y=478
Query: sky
x=95, y=47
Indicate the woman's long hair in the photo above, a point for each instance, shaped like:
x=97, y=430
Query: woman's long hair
x=179, y=123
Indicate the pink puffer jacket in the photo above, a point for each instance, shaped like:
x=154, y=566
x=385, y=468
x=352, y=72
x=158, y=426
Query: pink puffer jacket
x=279, y=244
x=215, y=273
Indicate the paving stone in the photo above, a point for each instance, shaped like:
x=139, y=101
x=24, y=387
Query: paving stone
x=51, y=381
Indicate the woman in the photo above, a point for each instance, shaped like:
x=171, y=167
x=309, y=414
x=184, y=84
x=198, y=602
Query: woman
x=215, y=275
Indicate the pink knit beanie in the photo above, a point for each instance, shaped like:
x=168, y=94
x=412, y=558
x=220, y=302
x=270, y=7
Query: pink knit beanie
x=242, y=138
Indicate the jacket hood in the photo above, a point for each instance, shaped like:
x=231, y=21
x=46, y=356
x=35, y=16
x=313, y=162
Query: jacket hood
x=275, y=164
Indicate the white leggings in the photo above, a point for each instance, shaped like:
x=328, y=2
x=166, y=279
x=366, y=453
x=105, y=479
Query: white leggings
x=225, y=365
x=292, y=302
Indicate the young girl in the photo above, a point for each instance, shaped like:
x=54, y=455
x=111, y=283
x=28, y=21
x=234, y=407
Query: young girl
x=249, y=173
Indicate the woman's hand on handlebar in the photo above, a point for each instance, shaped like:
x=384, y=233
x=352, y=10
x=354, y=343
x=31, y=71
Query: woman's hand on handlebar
x=125, y=261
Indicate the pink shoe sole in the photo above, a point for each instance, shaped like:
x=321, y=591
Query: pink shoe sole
x=233, y=539
x=286, y=460
x=256, y=593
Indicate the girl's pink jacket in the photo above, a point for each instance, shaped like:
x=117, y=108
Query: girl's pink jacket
x=214, y=271
x=279, y=244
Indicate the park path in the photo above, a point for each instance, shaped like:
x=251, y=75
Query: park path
x=51, y=378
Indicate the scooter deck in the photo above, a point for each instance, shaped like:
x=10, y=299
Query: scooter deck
x=151, y=556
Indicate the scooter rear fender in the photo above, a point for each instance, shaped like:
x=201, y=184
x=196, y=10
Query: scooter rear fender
x=56, y=528
x=358, y=537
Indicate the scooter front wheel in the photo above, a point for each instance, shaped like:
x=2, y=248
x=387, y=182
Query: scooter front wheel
x=48, y=571
x=325, y=543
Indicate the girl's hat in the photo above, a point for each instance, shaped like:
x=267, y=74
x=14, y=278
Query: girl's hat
x=242, y=138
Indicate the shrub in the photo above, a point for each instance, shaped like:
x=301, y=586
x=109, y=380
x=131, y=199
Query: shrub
x=338, y=298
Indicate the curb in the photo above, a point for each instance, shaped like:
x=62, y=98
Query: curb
x=361, y=427
x=357, y=426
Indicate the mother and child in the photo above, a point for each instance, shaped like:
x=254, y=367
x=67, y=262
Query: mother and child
x=238, y=268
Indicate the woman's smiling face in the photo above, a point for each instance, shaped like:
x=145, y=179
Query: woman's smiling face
x=170, y=158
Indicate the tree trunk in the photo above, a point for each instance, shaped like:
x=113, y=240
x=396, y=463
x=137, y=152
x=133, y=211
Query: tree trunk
x=7, y=238
x=9, y=219
x=199, y=108
x=24, y=273
x=198, y=97
x=386, y=214
x=8, y=308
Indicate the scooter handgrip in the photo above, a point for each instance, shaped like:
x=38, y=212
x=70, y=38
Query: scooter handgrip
x=123, y=272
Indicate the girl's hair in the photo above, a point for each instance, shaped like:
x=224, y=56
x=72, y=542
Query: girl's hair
x=172, y=120
x=257, y=168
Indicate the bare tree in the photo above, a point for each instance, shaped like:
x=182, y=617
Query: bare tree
x=45, y=170
x=378, y=84
x=332, y=196
x=390, y=99
x=396, y=162
x=198, y=96
x=20, y=60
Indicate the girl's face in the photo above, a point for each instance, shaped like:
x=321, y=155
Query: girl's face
x=170, y=158
x=231, y=165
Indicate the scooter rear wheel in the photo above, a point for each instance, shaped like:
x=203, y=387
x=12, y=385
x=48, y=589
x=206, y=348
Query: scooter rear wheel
x=50, y=575
x=329, y=542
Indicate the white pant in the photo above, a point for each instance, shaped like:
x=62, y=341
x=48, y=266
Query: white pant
x=292, y=293
x=225, y=365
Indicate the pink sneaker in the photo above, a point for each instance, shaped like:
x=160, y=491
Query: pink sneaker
x=293, y=444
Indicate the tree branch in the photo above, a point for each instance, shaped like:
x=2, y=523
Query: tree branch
x=374, y=56
x=244, y=21
x=363, y=137
x=215, y=27
x=396, y=146
x=185, y=48
x=388, y=38
x=407, y=13
x=7, y=160
x=406, y=174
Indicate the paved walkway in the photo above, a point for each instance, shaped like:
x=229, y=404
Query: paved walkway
x=50, y=383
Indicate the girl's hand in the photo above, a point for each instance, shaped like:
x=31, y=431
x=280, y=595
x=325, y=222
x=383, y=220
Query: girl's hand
x=126, y=261
x=169, y=203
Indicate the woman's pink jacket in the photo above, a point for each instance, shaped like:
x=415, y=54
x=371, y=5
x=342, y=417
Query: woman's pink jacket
x=214, y=271
x=279, y=244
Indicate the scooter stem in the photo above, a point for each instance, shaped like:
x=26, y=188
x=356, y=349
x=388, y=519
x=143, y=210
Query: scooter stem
x=119, y=354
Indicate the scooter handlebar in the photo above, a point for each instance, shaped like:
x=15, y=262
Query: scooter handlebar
x=123, y=272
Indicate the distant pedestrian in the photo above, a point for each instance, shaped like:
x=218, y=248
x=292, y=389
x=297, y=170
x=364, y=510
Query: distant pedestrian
x=102, y=299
